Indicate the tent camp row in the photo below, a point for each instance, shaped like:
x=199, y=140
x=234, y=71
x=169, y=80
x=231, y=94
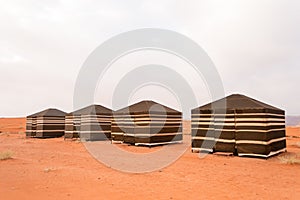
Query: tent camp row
x=235, y=124
x=144, y=123
x=90, y=123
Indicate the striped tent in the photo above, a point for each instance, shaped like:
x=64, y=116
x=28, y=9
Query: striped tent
x=92, y=123
x=147, y=123
x=31, y=125
x=246, y=127
x=50, y=123
x=72, y=125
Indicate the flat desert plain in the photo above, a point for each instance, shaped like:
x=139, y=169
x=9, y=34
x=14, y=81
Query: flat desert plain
x=58, y=169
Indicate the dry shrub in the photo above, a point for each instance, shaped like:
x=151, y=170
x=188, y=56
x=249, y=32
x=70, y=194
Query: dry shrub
x=290, y=159
x=298, y=144
x=5, y=155
x=50, y=169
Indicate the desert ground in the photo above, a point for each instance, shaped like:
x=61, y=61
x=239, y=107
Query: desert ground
x=58, y=169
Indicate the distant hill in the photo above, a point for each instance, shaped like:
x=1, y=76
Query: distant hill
x=292, y=120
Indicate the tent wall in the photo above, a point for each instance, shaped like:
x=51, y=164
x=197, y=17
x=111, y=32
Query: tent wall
x=70, y=130
x=150, y=129
x=260, y=132
x=34, y=126
x=50, y=126
x=147, y=129
x=76, y=125
x=72, y=126
x=30, y=126
x=213, y=131
x=128, y=126
x=224, y=127
x=203, y=135
x=95, y=127
x=249, y=132
x=117, y=127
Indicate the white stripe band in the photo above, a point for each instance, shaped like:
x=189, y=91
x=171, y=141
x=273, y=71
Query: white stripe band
x=260, y=142
x=202, y=149
x=151, y=135
x=264, y=156
x=214, y=139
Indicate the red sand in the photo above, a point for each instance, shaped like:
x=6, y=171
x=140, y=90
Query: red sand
x=12, y=125
x=58, y=169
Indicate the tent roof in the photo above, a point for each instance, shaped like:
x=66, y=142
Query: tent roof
x=146, y=106
x=237, y=101
x=92, y=109
x=49, y=112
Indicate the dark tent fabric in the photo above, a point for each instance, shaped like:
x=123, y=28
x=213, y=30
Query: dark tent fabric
x=147, y=123
x=31, y=125
x=72, y=126
x=95, y=123
x=46, y=124
x=246, y=126
x=91, y=123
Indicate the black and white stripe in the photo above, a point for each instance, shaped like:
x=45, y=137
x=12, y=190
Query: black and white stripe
x=30, y=126
x=95, y=127
x=71, y=126
x=91, y=123
x=143, y=127
x=50, y=126
x=260, y=134
x=46, y=124
x=247, y=128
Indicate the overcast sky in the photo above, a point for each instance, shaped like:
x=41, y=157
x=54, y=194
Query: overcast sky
x=255, y=45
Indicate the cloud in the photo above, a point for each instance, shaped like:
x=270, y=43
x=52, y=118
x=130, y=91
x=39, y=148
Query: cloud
x=254, y=44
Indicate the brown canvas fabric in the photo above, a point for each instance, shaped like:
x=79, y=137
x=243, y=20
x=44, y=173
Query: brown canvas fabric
x=91, y=123
x=247, y=127
x=46, y=124
x=147, y=123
